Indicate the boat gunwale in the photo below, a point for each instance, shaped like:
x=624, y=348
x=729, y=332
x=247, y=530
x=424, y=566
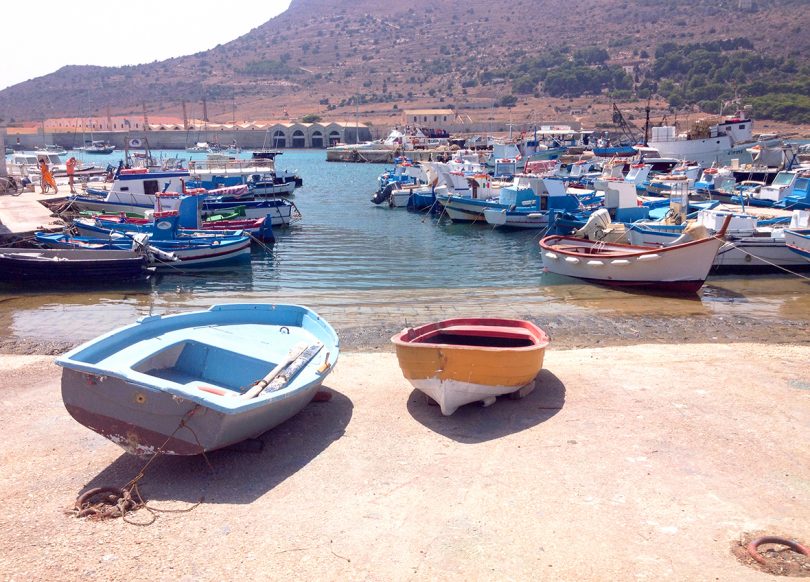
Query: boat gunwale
x=227, y=404
x=550, y=243
x=538, y=337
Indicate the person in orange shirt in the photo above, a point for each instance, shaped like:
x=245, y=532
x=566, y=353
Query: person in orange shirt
x=45, y=177
x=71, y=171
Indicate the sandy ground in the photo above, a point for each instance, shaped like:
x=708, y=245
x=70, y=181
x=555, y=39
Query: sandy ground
x=627, y=463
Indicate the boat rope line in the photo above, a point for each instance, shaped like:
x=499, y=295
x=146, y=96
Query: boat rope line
x=297, y=216
x=112, y=502
x=429, y=211
x=767, y=262
x=265, y=247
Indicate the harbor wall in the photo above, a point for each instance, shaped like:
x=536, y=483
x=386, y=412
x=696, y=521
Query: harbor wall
x=318, y=136
x=277, y=136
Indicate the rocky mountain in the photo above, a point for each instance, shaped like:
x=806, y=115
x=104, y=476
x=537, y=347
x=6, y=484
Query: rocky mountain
x=338, y=58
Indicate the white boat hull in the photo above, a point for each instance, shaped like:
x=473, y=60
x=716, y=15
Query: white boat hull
x=516, y=219
x=452, y=394
x=741, y=252
x=678, y=268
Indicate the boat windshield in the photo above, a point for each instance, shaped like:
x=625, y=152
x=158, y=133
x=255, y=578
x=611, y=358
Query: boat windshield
x=783, y=179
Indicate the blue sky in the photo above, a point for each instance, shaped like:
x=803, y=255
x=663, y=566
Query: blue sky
x=43, y=37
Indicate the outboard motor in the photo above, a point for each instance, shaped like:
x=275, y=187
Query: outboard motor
x=384, y=194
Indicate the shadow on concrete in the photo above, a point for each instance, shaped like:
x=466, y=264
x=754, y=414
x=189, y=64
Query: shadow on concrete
x=473, y=423
x=241, y=473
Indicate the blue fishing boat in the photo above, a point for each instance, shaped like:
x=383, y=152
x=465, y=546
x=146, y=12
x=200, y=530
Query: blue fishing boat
x=183, y=223
x=527, y=192
x=169, y=252
x=189, y=383
x=799, y=197
x=771, y=195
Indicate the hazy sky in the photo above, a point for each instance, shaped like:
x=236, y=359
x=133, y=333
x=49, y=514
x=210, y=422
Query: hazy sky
x=40, y=38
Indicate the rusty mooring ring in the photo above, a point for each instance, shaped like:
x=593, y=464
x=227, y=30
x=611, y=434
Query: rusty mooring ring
x=754, y=544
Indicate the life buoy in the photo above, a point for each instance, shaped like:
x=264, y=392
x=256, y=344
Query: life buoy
x=710, y=171
x=135, y=142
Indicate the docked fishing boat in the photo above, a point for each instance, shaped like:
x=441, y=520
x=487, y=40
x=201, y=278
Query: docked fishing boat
x=798, y=241
x=731, y=139
x=258, y=173
x=753, y=244
x=459, y=361
x=187, y=223
x=189, y=383
x=679, y=267
x=269, y=185
x=90, y=267
x=175, y=253
x=135, y=191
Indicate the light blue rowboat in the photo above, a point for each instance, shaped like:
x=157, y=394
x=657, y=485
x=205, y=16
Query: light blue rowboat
x=193, y=382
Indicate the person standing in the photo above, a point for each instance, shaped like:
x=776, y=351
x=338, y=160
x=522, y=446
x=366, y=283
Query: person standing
x=45, y=177
x=71, y=172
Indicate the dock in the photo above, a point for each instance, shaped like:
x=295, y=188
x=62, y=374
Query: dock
x=21, y=216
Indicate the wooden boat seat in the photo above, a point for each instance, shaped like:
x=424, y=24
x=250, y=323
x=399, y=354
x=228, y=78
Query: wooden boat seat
x=486, y=330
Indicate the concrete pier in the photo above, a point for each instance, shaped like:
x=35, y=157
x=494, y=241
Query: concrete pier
x=21, y=216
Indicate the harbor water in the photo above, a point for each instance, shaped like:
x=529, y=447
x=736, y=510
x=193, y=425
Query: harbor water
x=364, y=265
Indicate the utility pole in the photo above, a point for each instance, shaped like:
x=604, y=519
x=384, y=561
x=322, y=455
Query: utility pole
x=205, y=110
x=145, y=118
x=185, y=117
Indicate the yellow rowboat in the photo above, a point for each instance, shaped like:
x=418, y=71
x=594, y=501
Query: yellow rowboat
x=458, y=361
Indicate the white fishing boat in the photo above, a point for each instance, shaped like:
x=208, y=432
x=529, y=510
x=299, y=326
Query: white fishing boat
x=750, y=245
x=731, y=139
x=681, y=267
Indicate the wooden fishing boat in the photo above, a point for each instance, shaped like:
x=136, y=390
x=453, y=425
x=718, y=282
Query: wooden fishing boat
x=674, y=269
x=193, y=382
x=680, y=267
x=459, y=361
x=90, y=267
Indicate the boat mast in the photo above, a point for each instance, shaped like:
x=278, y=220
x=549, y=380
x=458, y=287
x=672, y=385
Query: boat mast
x=647, y=122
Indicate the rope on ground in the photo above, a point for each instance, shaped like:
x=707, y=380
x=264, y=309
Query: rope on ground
x=113, y=502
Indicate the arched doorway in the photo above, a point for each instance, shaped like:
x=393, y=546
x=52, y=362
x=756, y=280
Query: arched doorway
x=299, y=140
x=317, y=139
x=279, y=139
x=334, y=137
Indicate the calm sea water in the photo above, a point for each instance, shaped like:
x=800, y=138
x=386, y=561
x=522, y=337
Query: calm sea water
x=358, y=263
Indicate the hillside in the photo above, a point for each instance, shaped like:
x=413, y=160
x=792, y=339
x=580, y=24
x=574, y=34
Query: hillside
x=537, y=60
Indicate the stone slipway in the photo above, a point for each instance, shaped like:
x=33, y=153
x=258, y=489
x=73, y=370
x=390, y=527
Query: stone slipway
x=632, y=463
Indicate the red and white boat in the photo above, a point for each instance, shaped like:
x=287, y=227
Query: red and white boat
x=679, y=267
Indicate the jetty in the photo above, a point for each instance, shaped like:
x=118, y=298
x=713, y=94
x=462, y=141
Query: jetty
x=21, y=216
